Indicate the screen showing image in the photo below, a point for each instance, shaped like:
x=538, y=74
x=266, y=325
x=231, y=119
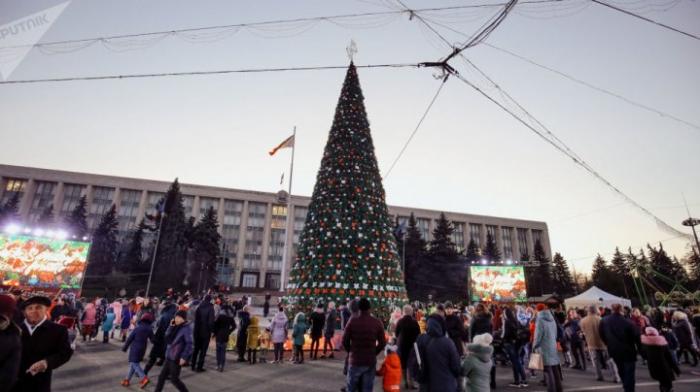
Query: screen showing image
x=497, y=283
x=42, y=263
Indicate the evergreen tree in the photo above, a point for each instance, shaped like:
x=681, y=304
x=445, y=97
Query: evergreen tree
x=415, y=244
x=347, y=248
x=491, y=252
x=543, y=272
x=46, y=217
x=602, y=276
x=472, y=254
x=399, y=233
x=205, y=249
x=692, y=260
x=664, y=266
x=619, y=267
x=563, y=282
x=103, y=251
x=442, y=244
x=133, y=261
x=9, y=213
x=76, y=222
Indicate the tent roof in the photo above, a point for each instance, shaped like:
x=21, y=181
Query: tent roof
x=594, y=295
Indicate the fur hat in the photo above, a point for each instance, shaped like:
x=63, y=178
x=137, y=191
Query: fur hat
x=483, y=339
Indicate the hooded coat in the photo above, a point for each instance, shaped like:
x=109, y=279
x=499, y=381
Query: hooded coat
x=546, y=338
x=476, y=367
x=299, y=330
x=391, y=371
x=166, y=316
x=278, y=327
x=137, y=341
x=659, y=360
x=224, y=324
x=441, y=359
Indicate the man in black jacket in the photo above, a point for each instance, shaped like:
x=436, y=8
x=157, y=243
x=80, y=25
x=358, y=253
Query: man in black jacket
x=203, y=327
x=10, y=343
x=45, y=347
x=621, y=337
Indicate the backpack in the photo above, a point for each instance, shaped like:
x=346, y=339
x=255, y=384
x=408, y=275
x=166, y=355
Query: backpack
x=523, y=334
x=417, y=366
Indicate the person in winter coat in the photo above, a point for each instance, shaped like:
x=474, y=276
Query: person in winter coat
x=10, y=343
x=686, y=337
x=223, y=326
x=177, y=352
x=620, y=336
x=439, y=355
x=203, y=326
x=590, y=326
x=662, y=368
x=545, y=342
x=572, y=331
x=107, y=324
x=363, y=339
x=253, y=339
x=318, y=320
x=100, y=311
x=298, y=332
x=136, y=344
x=125, y=320
x=391, y=370
x=512, y=346
x=88, y=321
x=278, y=330
x=157, y=354
x=672, y=341
x=242, y=337
x=345, y=315
x=455, y=328
x=45, y=347
x=481, y=322
x=407, y=331
x=329, y=329
x=476, y=367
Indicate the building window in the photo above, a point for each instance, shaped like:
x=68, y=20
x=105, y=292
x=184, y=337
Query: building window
x=507, y=238
x=13, y=186
x=205, y=203
x=188, y=202
x=458, y=236
x=522, y=242
x=152, y=201
x=299, y=222
x=128, y=209
x=254, y=235
x=423, y=225
x=249, y=280
x=475, y=234
x=231, y=227
x=276, y=249
x=71, y=196
x=537, y=236
x=272, y=281
x=43, y=197
x=101, y=202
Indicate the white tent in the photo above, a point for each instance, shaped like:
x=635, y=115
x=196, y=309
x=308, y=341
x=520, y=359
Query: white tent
x=595, y=296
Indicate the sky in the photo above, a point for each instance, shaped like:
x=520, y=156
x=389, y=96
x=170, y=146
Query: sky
x=468, y=156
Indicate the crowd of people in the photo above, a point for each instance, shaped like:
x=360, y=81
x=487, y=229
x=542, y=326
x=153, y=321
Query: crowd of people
x=428, y=347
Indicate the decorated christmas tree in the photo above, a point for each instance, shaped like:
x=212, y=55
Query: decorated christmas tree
x=347, y=248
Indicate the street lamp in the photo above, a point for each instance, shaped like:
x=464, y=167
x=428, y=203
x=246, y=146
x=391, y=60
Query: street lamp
x=692, y=222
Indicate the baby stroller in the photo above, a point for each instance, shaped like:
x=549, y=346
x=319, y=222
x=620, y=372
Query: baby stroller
x=499, y=353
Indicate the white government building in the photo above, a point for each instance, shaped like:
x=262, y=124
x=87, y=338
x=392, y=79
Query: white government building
x=251, y=223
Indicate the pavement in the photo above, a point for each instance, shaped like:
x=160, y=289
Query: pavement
x=100, y=367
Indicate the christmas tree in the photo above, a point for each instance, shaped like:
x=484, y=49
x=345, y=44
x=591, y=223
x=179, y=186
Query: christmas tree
x=347, y=248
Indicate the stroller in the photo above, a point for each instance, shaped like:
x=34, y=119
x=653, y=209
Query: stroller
x=499, y=353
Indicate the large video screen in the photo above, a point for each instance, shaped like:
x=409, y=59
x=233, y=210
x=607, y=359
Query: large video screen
x=497, y=284
x=42, y=263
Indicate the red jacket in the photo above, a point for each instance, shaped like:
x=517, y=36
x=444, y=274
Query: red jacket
x=391, y=371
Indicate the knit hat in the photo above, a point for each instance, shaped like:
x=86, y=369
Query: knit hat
x=651, y=331
x=540, y=307
x=7, y=305
x=147, y=317
x=483, y=339
x=181, y=313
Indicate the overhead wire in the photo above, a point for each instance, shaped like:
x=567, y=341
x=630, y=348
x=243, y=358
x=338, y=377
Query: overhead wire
x=657, y=23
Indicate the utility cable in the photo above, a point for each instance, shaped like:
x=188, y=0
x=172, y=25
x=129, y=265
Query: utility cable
x=665, y=26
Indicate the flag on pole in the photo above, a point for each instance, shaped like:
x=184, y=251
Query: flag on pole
x=288, y=142
x=282, y=178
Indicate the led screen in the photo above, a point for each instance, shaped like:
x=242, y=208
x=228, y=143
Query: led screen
x=497, y=283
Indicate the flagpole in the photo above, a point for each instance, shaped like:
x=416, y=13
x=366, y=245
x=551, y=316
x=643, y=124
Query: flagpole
x=283, y=278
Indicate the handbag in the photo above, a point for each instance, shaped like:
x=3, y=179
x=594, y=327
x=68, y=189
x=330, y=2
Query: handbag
x=536, y=362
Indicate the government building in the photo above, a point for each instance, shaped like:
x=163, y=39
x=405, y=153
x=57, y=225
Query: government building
x=251, y=223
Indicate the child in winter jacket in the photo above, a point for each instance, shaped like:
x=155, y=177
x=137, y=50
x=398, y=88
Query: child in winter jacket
x=476, y=367
x=125, y=321
x=107, y=324
x=298, y=332
x=264, y=344
x=253, y=339
x=391, y=370
x=662, y=368
x=136, y=344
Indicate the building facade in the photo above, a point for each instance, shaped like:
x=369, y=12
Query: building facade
x=252, y=224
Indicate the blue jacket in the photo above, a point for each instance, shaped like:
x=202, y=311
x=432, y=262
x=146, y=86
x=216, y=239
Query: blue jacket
x=138, y=341
x=179, y=340
x=126, y=317
x=108, y=322
x=545, y=340
x=441, y=358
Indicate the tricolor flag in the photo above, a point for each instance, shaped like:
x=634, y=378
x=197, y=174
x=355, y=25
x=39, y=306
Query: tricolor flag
x=288, y=142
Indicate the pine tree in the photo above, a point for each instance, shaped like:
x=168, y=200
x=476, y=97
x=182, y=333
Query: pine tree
x=442, y=244
x=10, y=211
x=562, y=280
x=76, y=222
x=205, y=249
x=46, y=218
x=602, y=276
x=491, y=252
x=472, y=253
x=133, y=261
x=347, y=248
x=619, y=267
x=103, y=251
x=415, y=252
x=692, y=260
x=664, y=266
x=543, y=272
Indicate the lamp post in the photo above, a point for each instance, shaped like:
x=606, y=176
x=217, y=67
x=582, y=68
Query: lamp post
x=692, y=222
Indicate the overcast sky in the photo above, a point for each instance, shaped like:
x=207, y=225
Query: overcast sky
x=469, y=156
